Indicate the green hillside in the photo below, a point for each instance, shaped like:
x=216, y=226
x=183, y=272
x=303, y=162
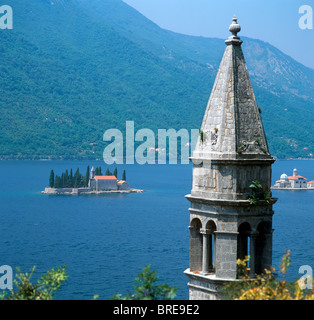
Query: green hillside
x=72, y=69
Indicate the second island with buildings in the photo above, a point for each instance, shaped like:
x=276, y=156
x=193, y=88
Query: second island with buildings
x=294, y=182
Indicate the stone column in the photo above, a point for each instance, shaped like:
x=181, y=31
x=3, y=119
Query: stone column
x=196, y=252
x=205, y=265
x=253, y=236
x=267, y=258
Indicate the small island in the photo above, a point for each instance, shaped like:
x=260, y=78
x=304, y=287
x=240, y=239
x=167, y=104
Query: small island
x=93, y=182
x=294, y=182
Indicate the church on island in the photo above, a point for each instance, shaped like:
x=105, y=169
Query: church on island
x=95, y=183
x=293, y=182
x=106, y=183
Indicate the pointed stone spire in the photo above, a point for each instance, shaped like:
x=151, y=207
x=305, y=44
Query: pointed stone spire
x=232, y=126
x=230, y=155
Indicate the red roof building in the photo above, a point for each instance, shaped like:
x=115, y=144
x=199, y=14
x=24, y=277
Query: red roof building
x=105, y=178
x=293, y=182
x=106, y=183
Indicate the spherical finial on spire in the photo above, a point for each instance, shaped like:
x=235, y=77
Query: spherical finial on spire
x=235, y=27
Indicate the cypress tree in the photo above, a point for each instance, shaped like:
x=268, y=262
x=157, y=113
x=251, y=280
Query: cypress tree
x=58, y=182
x=66, y=179
x=124, y=175
x=51, y=179
x=115, y=172
x=86, y=178
x=62, y=180
x=107, y=173
x=80, y=181
x=71, y=184
x=76, y=178
x=98, y=171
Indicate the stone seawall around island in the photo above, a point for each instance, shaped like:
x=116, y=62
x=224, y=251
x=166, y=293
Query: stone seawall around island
x=78, y=191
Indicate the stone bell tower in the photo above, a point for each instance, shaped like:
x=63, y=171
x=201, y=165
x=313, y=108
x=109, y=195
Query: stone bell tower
x=231, y=153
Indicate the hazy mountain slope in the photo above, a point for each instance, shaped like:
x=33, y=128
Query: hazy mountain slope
x=288, y=120
x=72, y=69
x=84, y=78
x=269, y=67
x=278, y=73
x=166, y=44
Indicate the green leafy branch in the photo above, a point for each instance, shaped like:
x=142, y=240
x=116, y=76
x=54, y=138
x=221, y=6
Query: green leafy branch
x=44, y=289
x=258, y=192
x=146, y=288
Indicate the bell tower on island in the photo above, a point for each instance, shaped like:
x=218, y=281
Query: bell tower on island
x=231, y=207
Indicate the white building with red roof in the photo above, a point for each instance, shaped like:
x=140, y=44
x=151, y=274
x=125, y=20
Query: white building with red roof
x=106, y=183
x=293, y=182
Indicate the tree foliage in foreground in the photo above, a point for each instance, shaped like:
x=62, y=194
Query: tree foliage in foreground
x=146, y=288
x=267, y=286
x=44, y=289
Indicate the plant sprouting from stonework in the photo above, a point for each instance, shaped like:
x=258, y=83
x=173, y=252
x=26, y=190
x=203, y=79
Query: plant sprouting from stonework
x=258, y=192
x=267, y=195
x=255, y=185
x=202, y=135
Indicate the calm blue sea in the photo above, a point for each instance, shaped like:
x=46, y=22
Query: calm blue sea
x=105, y=240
